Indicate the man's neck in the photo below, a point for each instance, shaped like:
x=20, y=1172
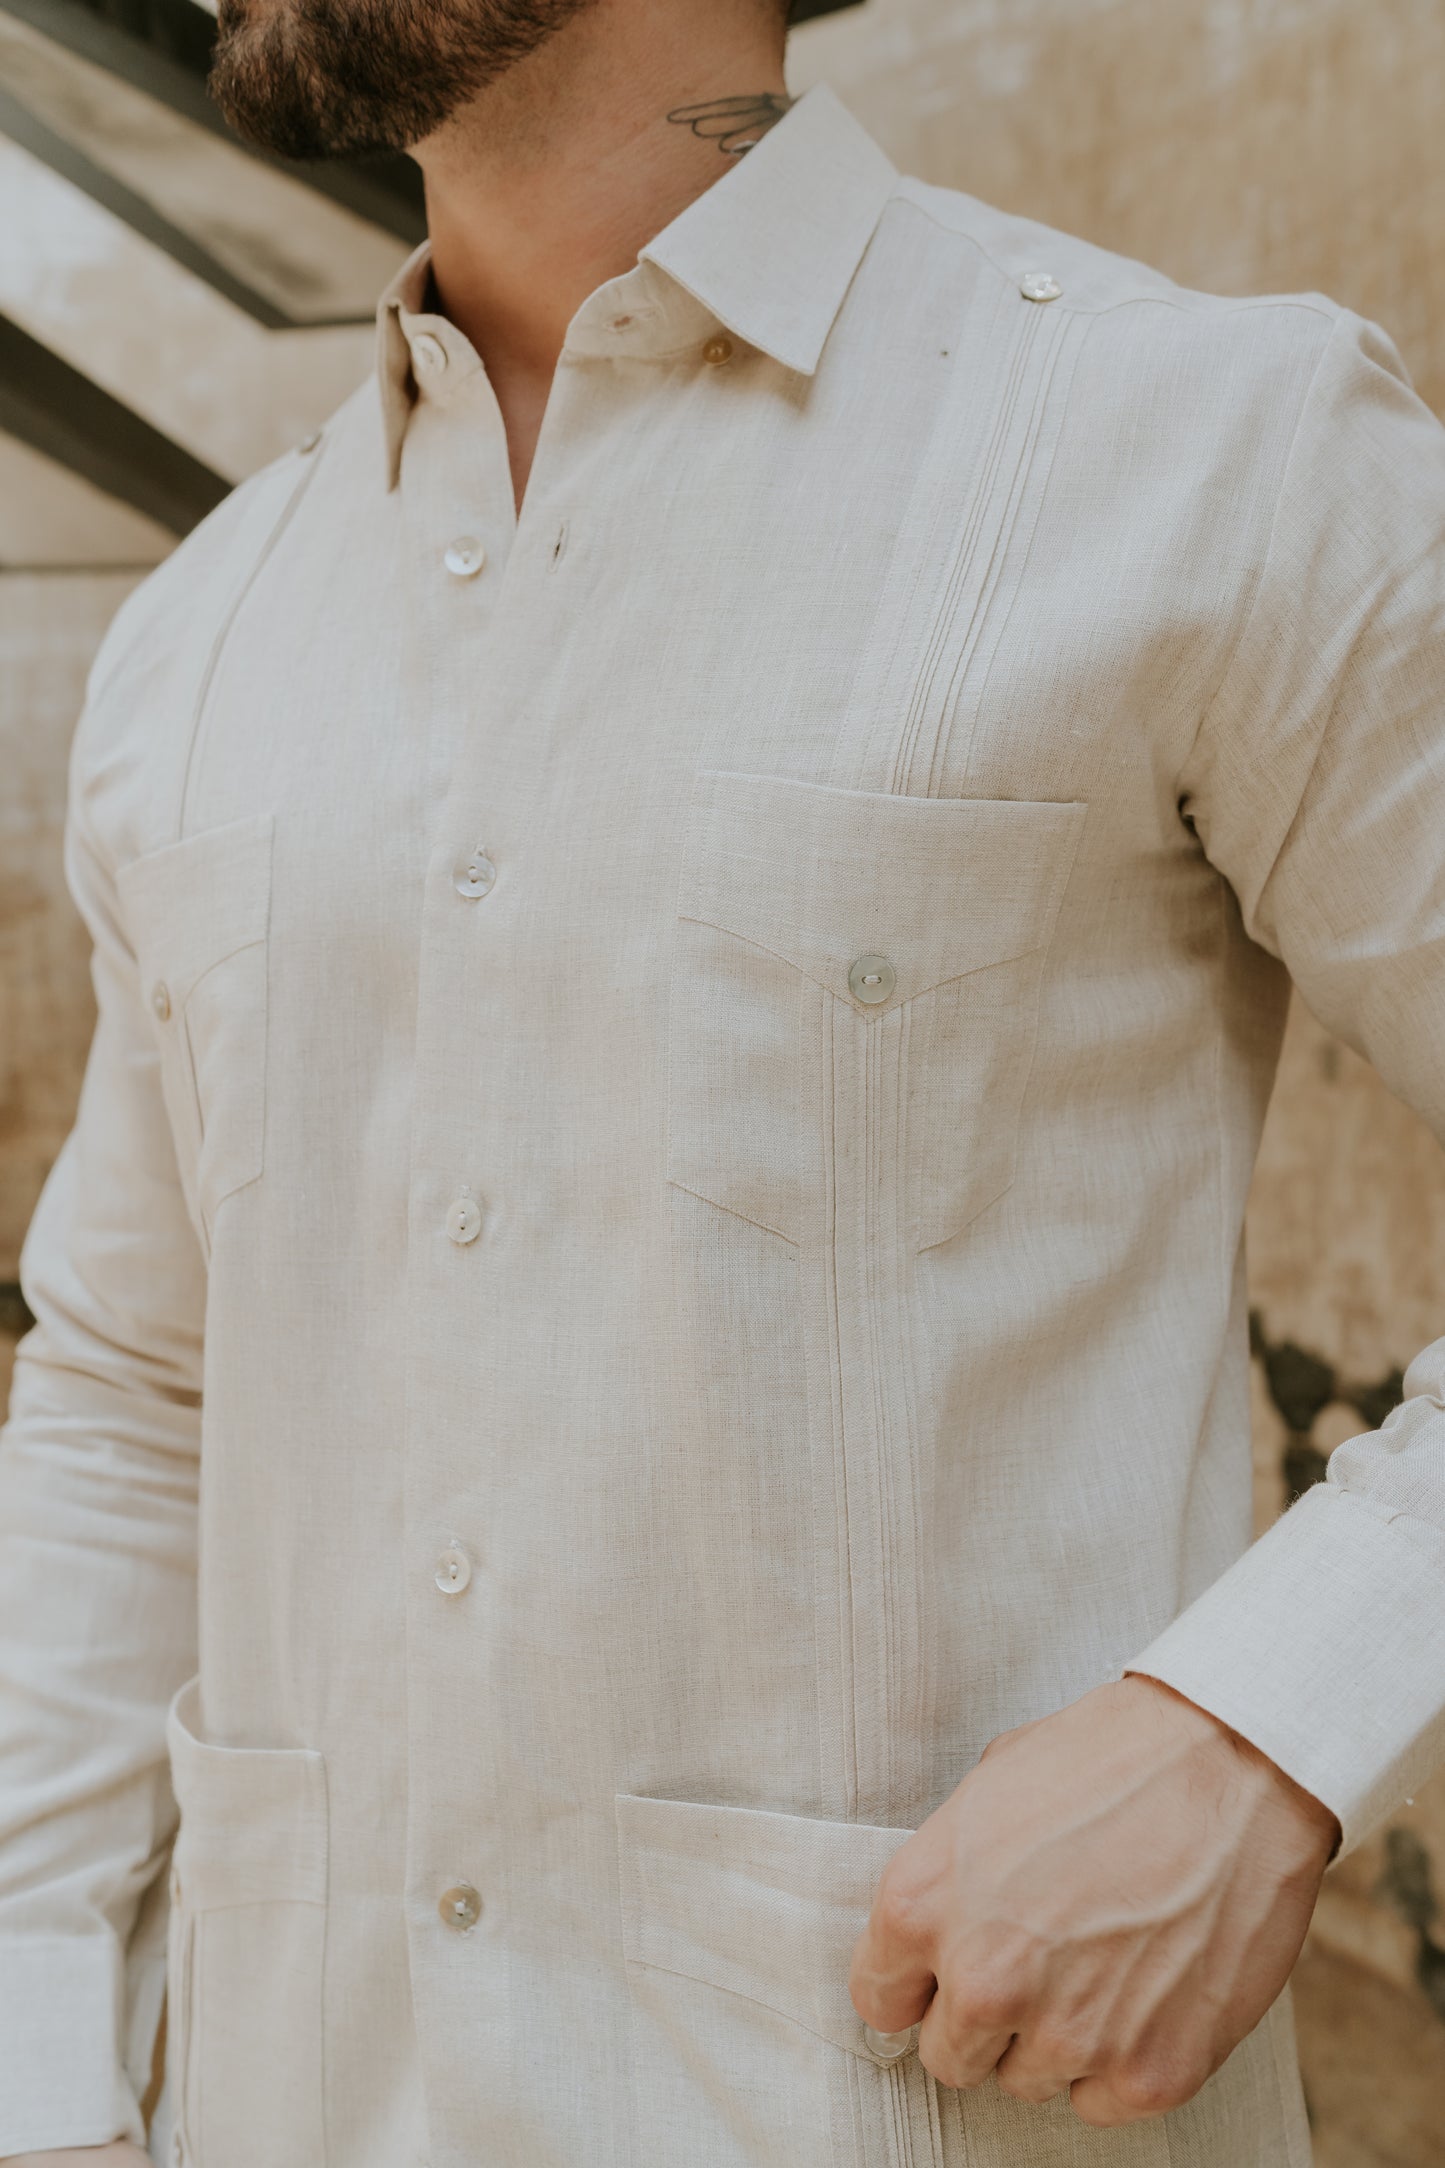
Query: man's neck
x=550, y=182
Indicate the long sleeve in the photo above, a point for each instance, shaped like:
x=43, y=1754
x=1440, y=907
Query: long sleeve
x=1316, y=785
x=98, y=1487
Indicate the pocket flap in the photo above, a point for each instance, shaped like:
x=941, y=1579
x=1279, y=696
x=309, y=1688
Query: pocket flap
x=939, y=886
x=253, y=1819
x=192, y=903
x=765, y=1905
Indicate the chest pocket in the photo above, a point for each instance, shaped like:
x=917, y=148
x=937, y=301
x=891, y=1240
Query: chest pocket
x=854, y=999
x=197, y=912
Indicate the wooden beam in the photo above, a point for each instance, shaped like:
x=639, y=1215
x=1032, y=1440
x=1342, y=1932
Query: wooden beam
x=57, y=411
x=163, y=47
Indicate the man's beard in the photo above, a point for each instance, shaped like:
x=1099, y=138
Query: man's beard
x=350, y=78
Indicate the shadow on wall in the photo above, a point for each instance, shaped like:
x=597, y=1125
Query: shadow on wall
x=1301, y=1385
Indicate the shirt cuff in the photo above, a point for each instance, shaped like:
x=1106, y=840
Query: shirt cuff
x=1324, y=1646
x=62, y=2078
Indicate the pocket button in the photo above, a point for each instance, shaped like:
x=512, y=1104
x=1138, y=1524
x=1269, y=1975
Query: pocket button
x=871, y=978
x=889, y=2047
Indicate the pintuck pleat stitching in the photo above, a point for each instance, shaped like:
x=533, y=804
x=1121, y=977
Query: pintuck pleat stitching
x=848, y=1656
x=898, y=2103
x=980, y=505
x=915, y=1714
x=884, y=1561
x=1028, y=486
x=1010, y=486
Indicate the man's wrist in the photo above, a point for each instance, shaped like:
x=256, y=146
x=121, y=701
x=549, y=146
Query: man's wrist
x=1312, y=1813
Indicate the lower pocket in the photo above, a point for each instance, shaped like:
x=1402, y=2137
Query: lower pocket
x=246, y=1950
x=738, y=1926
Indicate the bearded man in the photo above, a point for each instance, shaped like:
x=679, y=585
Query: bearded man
x=625, y=1525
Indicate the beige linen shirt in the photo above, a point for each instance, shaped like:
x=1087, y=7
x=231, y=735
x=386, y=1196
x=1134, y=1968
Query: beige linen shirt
x=651, y=1252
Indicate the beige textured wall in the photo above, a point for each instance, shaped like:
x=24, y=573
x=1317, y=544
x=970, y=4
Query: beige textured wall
x=1243, y=146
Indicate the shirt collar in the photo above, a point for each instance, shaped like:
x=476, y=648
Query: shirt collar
x=769, y=250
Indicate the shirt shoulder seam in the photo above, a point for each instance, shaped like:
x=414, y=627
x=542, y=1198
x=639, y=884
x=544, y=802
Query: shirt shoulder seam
x=1186, y=300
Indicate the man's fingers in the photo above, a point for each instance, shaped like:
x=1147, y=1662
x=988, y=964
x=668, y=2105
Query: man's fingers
x=1131, y=2094
x=963, y=2034
x=957, y=2058
x=1036, y=2069
x=890, y=1978
x=890, y=2000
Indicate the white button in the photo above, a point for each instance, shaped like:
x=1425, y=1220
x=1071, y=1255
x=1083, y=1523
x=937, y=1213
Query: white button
x=871, y=978
x=465, y=557
x=309, y=444
x=454, y=1570
x=464, y=1218
x=460, y=1907
x=889, y=2047
x=476, y=877
x=161, y=999
x=1040, y=286
x=428, y=353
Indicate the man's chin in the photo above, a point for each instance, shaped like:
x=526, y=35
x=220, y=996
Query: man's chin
x=316, y=79
x=264, y=89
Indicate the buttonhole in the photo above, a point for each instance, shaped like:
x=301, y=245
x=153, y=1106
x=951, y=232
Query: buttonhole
x=560, y=544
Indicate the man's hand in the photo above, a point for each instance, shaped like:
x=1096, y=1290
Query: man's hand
x=1107, y=1903
x=120, y=2153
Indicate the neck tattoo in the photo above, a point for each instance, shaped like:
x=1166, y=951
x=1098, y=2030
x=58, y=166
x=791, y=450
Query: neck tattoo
x=734, y=124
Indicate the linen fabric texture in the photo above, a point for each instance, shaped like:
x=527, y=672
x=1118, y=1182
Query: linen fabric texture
x=806, y=1382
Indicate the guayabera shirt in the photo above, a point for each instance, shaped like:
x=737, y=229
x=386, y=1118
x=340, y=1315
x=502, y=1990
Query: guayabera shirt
x=651, y=1252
